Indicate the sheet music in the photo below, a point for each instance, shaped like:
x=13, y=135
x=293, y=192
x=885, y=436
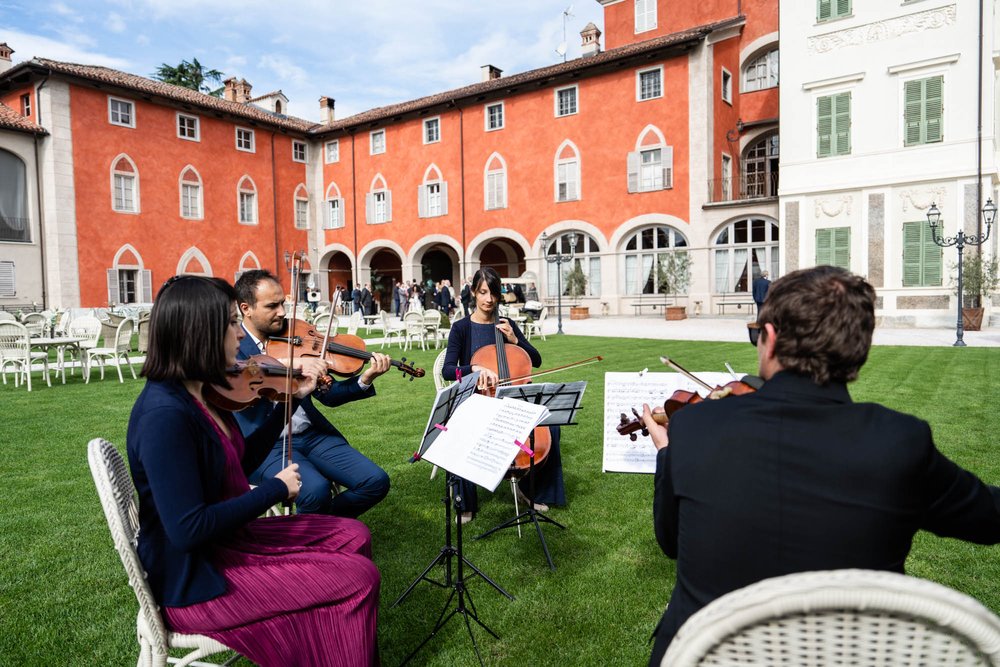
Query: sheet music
x=561, y=398
x=446, y=399
x=479, y=443
x=624, y=391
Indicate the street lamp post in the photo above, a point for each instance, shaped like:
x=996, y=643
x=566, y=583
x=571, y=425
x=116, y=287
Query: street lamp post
x=960, y=240
x=559, y=259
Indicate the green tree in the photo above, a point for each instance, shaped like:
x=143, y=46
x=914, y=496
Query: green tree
x=673, y=273
x=575, y=281
x=191, y=75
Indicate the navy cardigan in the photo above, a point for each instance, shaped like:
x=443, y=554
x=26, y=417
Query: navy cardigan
x=460, y=349
x=177, y=463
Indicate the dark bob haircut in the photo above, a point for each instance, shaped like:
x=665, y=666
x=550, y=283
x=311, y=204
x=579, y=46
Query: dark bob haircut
x=187, y=330
x=489, y=276
x=824, y=318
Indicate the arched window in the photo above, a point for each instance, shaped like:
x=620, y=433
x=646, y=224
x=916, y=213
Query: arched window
x=743, y=249
x=248, y=262
x=567, y=172
x=191, y=195
x=301, y=208
x=246, y=194
x=651, y=165
x=124, y=185
x=334, y=208
x=13, y=198
x=495, y=182
x=760, y=168
x=378, y=202
x=128, y=281
x=432, y=194
x=656, y=261
x=585, y=256
x=761, y=72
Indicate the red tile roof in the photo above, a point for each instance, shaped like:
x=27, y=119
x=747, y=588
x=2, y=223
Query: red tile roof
x=12, y=120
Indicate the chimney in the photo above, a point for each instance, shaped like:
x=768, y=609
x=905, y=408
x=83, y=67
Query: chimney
x=5, y=52
x=490, y=72
x=326, y=110
x=243, y=91
x=591, y=45
x=236, y=90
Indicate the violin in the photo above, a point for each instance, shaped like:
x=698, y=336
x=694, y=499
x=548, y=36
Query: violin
x=681, y=398
x=513, y=366
x=345, y=353
x=250, y=380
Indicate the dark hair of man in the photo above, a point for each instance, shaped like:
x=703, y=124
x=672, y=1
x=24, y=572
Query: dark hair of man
x=824, y=318
x=187, y=330
x=246, y=285
x=489, y=276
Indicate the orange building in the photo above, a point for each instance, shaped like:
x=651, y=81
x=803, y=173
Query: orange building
x=656, y=154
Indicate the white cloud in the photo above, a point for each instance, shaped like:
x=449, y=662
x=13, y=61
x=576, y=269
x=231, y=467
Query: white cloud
x=142, y=40
x=29, y=46
x=286, y=70
x=115, y=23
x=65, y=11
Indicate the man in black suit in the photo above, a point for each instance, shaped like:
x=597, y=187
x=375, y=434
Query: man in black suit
x=796, y=476
x=760, y=286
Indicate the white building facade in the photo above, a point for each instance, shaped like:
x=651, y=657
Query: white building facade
x=880, y=105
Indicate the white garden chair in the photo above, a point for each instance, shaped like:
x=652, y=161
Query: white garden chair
x=7, y=317
x=15, y=351
x=860, y=618
x=117, y=494
x=413, y=321
x=121, y=346
x=432, y=325
x=354, y=322
x=36, y=324
x=533, y=327
x=89, y=329
x=392, y=328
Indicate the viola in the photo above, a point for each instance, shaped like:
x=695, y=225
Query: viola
x=250, y=380
x=513, y=366
x=682, y=398
x=346, y=354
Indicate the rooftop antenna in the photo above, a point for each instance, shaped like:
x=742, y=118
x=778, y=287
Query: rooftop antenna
x=561, y=49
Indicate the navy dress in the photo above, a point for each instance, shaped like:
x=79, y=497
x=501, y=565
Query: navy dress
x=465, y=339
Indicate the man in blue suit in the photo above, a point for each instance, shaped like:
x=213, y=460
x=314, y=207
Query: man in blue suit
x=322, y=452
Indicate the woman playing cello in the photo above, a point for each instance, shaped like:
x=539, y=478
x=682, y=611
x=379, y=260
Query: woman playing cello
x=298, y=590
x=467, y=336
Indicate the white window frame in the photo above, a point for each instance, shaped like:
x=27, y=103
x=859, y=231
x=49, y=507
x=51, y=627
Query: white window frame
x=331, y=156
x=304, y=149
x=181, y=117
x=638, y=83
x=380, y=207
x=650, y=10
x=26, y=105
x=501, y=175
x=486, y=116
x=134, y=175
x=571, y=166
x=239, y=207
x=726, y=91
x=426, y=128
x=726, y=173
x=576, y=98
x=771, y=70
x=435, y=201
x=181, y=184
x=297, y=201
x=372, y=144
x=253, y=140
x=334, y=222
x=112, y=111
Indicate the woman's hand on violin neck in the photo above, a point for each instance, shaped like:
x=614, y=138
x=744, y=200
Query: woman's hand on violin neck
x=292, y=479
x=380, y=363
x=313, y=368
x=487, y=377
x=507, y=330
x=657, y=432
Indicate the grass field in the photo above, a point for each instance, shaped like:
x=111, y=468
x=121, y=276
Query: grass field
x=65, y=600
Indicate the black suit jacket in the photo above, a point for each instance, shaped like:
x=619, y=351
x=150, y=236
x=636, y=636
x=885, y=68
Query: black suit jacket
x=797, y=477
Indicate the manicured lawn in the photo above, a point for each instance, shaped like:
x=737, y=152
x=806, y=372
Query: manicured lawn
x=65, y=600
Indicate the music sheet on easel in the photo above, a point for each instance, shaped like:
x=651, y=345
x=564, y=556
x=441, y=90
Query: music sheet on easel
x=624, y=391
x=479, y=443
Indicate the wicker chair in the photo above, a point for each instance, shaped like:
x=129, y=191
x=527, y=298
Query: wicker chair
x=839, y=617
x=142, y=329
x=118, y=350
x=15, y=351
x=114, y=488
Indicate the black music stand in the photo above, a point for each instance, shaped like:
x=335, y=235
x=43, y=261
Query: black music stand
x=446, y=402
x=563, y=401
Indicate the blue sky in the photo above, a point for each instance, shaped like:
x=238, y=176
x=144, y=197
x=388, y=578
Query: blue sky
x=363, y=53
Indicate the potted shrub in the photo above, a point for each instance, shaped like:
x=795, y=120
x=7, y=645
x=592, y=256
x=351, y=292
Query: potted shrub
x=576, y=286
x=980, y=278
x=673, y=275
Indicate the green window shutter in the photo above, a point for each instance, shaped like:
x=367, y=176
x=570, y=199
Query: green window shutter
x=912, y=117
x=841, y=250
x=843, y=8
x=931, y=259
x=912, y=253
x=824, y=126
x=842, y=124
x=824, y=247
x=933, y=108
x=824, y=10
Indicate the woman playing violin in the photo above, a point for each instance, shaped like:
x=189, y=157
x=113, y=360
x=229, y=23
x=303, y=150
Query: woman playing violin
x=469, y=335
x=272, y=589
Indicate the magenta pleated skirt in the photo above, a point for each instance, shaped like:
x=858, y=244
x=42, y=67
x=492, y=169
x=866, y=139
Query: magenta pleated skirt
x=301, y=591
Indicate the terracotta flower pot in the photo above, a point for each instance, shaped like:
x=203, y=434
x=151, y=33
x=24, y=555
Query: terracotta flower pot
x=972, y=319
x=579, y=312
x=675, y=313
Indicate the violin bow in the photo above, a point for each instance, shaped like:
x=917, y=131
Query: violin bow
x=296, y=270
x=530, y=376
x=686, y=373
